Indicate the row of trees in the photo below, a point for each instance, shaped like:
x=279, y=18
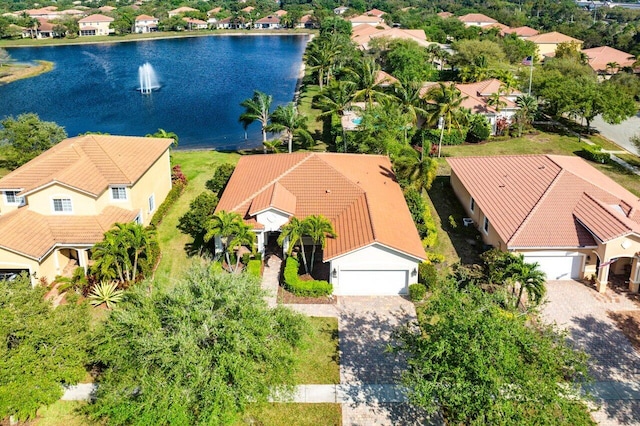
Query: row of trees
x=315, y=227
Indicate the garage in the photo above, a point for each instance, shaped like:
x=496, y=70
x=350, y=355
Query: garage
x=372, y=282
x=558, y=265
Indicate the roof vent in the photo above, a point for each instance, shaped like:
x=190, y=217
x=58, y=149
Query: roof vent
x=541, y=167
x=328, y=191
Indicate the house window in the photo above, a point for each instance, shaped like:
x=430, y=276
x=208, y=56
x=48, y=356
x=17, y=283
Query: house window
x=472, y=204
x=152, y=203
x=62, y=205
x=118, y=193
x=485, y=226
x=11, y=197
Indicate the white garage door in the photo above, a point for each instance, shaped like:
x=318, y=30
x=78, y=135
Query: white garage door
x=372, y=283
x=558, y=265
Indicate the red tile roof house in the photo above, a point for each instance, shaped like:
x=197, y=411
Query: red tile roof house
x=601, y=58
x=558, y=211
x=271, y=22
x=377, y=249
x=476, y=19
x=145, y=24
x=95, y=25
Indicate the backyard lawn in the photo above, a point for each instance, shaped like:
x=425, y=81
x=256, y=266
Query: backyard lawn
x=198, y=166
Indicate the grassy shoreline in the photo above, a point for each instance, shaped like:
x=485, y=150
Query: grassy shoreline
x=20, y=72
x=28, y=42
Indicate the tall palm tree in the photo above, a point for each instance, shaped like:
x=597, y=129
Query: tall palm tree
x=336, y=98
x=320, y=57
x=138, y=238
x=528, y=105
x=495, y=100
x=419, y=171
x=257, y=109
x=365, y=77
x=224, y=225
x=243, y=236
x=318, y=228
x=409, y=94
x=444, y=101
x=294, y=231
x=287, y=119
x=530, y=279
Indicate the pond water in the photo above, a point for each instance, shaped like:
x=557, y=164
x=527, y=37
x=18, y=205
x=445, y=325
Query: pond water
x=202, y=82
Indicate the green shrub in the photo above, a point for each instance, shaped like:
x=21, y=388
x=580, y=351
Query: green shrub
x=172, y=197
x=417, y=292
x=479, y=129
x=594, y=153
x=295, y=285
x=220, y=178
x=452, y=222
x=435, y=257
x=427, y=274
x=246, y=257
x=253, y=268
x=107, y=293
x=455, y=137
x=257, y=256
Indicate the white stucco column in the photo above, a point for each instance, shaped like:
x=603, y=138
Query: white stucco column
x=260, y=241
x=83, y=259
x=56, y=261
x=634, y=279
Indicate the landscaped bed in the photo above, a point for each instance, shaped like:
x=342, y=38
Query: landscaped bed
x=286, y=297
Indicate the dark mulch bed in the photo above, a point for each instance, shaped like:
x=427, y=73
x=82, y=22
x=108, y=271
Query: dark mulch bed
x=286, y=297
x=629, y=324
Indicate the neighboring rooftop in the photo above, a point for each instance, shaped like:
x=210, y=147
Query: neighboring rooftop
x=544, y=201
x=357, y=193
x=553, y=37
x=601, y=58
x=476, y=18
x=96, y=18
x=89, y=163
x=523, y=32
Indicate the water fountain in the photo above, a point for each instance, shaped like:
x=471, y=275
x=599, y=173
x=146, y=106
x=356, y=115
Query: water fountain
x=148, y=78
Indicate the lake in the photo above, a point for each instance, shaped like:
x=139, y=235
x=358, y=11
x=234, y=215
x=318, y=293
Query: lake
x=202, y=82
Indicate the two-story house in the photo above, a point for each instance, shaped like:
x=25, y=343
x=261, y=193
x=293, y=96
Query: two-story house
x=145, y=24
x=57, y=206
x=95, y=25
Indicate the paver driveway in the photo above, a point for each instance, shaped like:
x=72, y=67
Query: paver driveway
x=614, y=362
x=365, y=326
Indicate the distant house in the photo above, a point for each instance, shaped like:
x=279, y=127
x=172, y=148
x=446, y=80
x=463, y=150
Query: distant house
x=214, y=11
x=280, y=13
x=547, y=43
x=271, y=22
x=477, y=99
x=233, y=23
x=106, y=9
x=145, y=24
x=181, y=10
x=501, y=27
x=363, y=34
x=377, y=249
x=558, y=211
x=366, y=20
x=195, y=24
x=607, y=60
x=44, y=30
x=306, y=21
x=49, y=12
x=74, y=13
x=522, y=32
x=476, y=20
x=95, y=25
x=340, y=10
x=445, y=15
x=375, y=12
x=248, y=9
x=57, y=206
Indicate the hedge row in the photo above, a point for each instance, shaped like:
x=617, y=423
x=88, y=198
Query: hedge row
x=454, y=137
x=594, y=153
x=295, y=285
x=172, y=197
x=253, y=267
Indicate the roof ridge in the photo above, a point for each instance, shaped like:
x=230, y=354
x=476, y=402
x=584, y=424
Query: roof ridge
x=606, y=210
x=273, y=181
x=536, y=206
x=115, y=163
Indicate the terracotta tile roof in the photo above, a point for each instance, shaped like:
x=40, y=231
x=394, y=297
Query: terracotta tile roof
x=599, y=57
x=145, y=18
x=248, y=9
x=539, y=201
x=553, y=37
x=366, y=19
x=375, y=12
x=521, y=31
x=194, y=21
x=272, y=19
x=96, y=18
x=498, y=25
x=385, y=79
x=34, y=235
x=89, y=163
x=445, y=15
x=44, y=25
x=477, y=95
x=471, y=18
x=183, y=9
x=280, y=13
x=362, y=34
x=214, y=11
x=357, y=193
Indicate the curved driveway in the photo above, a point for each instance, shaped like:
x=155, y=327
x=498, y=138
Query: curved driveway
x=620, y=133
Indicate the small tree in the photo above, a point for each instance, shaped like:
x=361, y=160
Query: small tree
x=294, y=231
x=194, y=221
x=163, y=134
x=42, y=348
x=257, y=108
x=226, y=226
x=318, y=228
x=26, y=137
x=220, y=178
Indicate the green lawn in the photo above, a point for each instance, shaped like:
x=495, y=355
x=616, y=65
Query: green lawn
x=279, y=414
x=307, y=93
x=632, y=159
x=198, y=166
x=319, y=357
x=62, y=413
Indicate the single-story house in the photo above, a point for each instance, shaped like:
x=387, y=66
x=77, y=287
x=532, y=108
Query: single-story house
x=476, y=20
x=445, y=15
x=558, y=211
x=521, y=32
x=377, y=248
x=340, y=10
x=547, y=43
x=607, y=60
x=195, y=24
x=271, y=22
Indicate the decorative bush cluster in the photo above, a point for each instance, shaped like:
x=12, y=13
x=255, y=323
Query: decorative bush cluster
x=455, y=137
x=417, y=292
x=177, y=175
x=253, y=267
x=594, y=153
x=427, y=274
x=295, y=285
x=172, y=197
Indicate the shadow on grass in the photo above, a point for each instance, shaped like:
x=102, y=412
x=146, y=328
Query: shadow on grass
x=465, y=239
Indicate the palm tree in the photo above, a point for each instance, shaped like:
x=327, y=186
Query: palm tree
x=320, y=57
x=224, y=225
x=530, y=279
x=366, y=75
x=273, y=145
x=444, y=101
x=138, y=238
x=294, y=231
x=318, y=227
x=257, y=109
x=612, y=66
x=336, y=98
x=242, y=237
x=409, y=94
x=287, y=119
x=163, y=134
x=419, y=171
x=495, y=100
x=528, y=105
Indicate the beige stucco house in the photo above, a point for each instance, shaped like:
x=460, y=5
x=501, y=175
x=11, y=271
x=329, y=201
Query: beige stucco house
x=57, y=206
x=96, y=25
x=547, y=43
x=556, y=210
x=377, y=249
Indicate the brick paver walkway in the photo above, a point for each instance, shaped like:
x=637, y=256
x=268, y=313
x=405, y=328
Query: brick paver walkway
x=614, y=363
x=270, y=277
